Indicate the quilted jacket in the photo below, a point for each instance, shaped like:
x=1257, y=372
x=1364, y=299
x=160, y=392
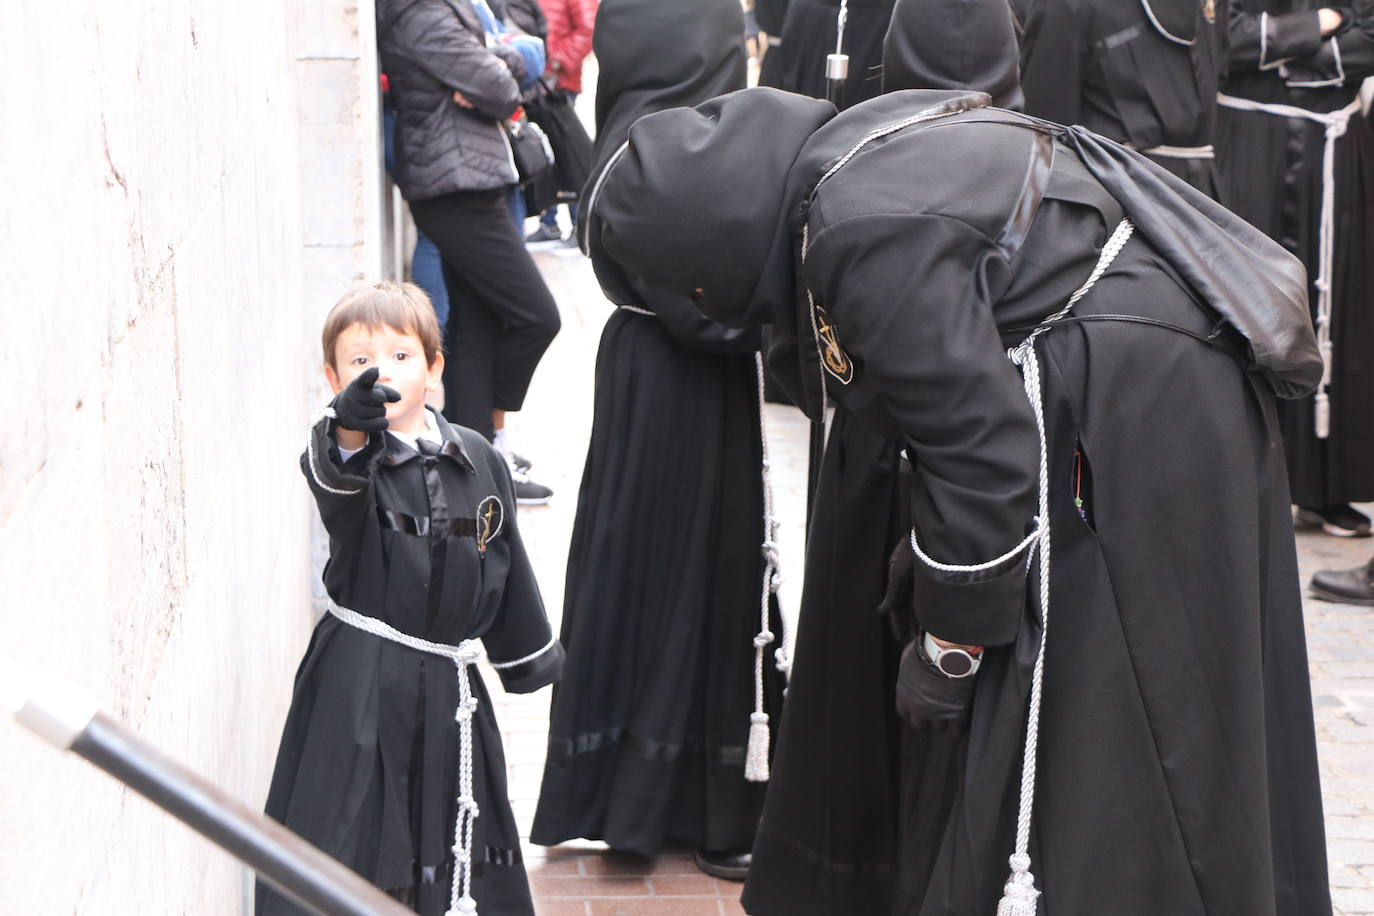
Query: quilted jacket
x=429, y=48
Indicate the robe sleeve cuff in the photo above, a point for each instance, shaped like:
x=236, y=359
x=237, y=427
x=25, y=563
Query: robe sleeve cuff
x=528, y=674
x=1287, y=36
x=325, y=469
x=976, y=608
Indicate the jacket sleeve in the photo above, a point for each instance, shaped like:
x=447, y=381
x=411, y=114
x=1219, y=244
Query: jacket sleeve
x=520, y=643
x=574, y=41
x=910, y=300
x=342, y=490
x=432, y=36
x=1263, y=41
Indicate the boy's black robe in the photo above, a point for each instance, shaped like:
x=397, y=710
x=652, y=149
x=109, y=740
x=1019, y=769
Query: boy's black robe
x=1176, y=751
x=650, y=721
x=1142, y=72
x=1271, y=174
x=367, y=769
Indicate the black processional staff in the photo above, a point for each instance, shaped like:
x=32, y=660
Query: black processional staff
x=837, y=64
x=297, y=869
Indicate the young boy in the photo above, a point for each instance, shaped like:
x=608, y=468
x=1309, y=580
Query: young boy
x=390, y=759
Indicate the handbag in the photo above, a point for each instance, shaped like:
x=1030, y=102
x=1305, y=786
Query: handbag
x=530, y=149
x=552, y=110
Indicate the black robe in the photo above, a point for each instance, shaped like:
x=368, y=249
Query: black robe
x=650, y=722
x=1177, y=760
x=1141, y=72
x=367, y=769
x=808, y=36
x=1271, y=173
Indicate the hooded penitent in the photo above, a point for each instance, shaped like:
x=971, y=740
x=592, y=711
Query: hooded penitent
x=654, y=720
x=912, y=239
x=953, y=44
x=755, y=150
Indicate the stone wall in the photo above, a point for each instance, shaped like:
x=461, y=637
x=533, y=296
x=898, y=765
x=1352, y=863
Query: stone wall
x=188, y=186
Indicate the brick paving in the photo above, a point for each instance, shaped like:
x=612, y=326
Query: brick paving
x=585, y=879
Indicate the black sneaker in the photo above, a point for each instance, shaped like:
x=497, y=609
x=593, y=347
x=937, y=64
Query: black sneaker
x=1339, y=520
x=527, y=492
x=1346, y=586
x=732, y=866
x=568, y=248
x=543, y=239
x=519, y=463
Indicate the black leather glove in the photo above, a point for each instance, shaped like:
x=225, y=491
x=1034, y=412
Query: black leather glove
x=901, y=586
x=362, y=405
x=928, y=699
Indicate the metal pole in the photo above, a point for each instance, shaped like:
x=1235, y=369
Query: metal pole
x=293, y=866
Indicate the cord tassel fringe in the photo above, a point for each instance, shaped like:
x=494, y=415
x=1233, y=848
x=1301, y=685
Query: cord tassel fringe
x=756, y=758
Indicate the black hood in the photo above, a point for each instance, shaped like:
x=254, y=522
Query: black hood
x=953, y=44
x=712, y=178
x=653, y=55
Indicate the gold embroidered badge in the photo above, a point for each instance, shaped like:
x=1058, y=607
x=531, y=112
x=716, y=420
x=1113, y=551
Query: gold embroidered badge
x=833, y=357
x=491, y=516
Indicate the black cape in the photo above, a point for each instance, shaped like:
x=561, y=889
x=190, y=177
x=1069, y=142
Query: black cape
x=368, y=763
x=1142, y=72
x=1271, y=173
x=1176, y=751
x=650, y=722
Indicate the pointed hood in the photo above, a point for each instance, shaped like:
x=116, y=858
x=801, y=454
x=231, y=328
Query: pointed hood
x=694, y=202
x=953, y=44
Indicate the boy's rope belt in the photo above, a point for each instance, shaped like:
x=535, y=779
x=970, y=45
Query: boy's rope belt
x=1335, y=122
x=463, y=655
x=1019, y=895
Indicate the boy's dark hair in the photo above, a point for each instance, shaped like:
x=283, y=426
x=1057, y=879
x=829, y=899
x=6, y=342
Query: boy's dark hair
x=403, y=306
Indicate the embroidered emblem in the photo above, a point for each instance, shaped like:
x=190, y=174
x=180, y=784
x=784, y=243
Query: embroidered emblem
x=1209, y=11
x=833, y=357
x=491, y=515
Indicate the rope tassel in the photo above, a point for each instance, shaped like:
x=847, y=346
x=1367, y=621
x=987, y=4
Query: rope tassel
x=756, y=758
x=1019, y=895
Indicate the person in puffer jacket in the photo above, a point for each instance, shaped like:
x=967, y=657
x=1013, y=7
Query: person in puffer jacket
x=453, y=82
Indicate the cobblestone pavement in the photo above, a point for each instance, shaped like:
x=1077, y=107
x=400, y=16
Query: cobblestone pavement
x=584, y=879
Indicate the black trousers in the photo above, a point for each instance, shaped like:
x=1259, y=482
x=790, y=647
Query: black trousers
x=502, y=316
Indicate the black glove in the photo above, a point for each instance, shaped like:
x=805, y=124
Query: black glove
x=901, y=585
x=362, y=405
x=928, y=699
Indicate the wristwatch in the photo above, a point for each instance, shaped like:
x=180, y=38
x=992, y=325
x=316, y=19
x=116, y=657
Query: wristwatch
x=951, y=662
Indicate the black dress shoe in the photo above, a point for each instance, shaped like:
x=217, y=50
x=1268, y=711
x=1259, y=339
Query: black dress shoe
x=732, y=866
x=1348, y=586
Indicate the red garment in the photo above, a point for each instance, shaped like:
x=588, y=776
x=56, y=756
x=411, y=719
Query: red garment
x=570, y=39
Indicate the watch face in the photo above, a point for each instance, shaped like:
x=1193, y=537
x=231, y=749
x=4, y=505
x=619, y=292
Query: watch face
x=956, y=663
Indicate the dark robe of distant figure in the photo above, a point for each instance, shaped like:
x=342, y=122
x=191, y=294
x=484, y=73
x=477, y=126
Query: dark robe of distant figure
x=650, y=721
x=897, y=250
x=1271, y=169
x=1141, y=72
x=808, y=36
x=771, y=14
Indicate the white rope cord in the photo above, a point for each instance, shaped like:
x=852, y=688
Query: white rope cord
x=1335, y=123
x=1020, y=894
x=466, y=653
x=756, y=757
x=326, y=413
x=501, y=666
x=636, y=309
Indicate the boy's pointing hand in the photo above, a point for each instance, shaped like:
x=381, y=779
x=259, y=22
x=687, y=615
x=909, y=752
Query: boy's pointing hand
x=362, y=405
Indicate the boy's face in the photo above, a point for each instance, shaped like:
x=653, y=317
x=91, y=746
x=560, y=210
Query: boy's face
x=400, y=358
